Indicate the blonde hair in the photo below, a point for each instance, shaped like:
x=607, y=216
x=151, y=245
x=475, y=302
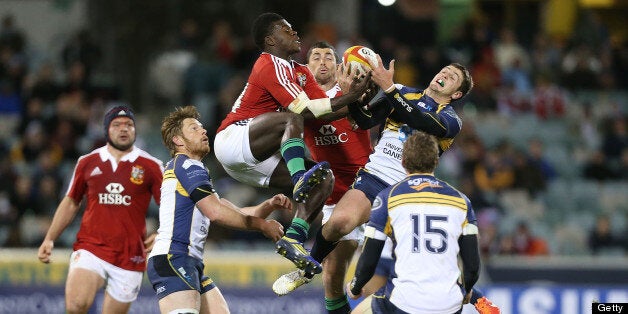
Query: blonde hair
x=420, y=153
x=172, y=125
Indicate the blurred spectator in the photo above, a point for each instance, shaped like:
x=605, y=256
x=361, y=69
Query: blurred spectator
x=487, y=78
x=580, y=68
x=548, y=99
x=546, y=56
x=597, y=168
x=405, y=69
x=495, y=173
x=223, y=43
x=510, y=53
x=615, y=139
x=601, y=238
x=44, y=84
x=536, y=156
x=523, y=242
x=81, y=49
x=10, y=35
x=588, y=127
x=23, y=200
x=432, y=60
x=528, y=174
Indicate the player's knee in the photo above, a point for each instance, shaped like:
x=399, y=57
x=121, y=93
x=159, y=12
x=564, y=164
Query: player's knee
x=76, y=306
x=293, y=119
x=342, y=224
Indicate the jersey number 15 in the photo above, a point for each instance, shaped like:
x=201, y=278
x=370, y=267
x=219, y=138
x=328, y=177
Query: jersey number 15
x=431, y=227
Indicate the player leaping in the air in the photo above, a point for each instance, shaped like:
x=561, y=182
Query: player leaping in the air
x=403, y=110
x=260, y=142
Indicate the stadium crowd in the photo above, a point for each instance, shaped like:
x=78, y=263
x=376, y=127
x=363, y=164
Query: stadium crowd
x=543, y=152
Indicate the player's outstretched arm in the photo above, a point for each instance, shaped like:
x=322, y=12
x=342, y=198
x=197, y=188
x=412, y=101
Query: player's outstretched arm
x=214, y=209
x=264, y=209
x=65, y=213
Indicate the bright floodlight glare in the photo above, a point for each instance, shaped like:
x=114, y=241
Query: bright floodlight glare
x=386, y=2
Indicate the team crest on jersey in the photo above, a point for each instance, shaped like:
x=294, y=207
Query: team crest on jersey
x=302, y=78
x=137, y=174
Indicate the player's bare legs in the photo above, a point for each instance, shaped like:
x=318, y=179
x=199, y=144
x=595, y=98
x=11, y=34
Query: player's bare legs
x=267, y=131
x=187, y=299
x=80, y=289
x=213, y=302
x=111, y=305
x=283, y=131
x=334, y=270
x=352, y=210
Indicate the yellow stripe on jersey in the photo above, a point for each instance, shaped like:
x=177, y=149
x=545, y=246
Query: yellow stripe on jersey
x=393, y=125
x=388, y=227
x=413, y=96
x=181, y=190
x=426, y=197
x=169, y=174
x=441, y=107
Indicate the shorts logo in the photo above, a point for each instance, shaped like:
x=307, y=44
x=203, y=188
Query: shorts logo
x=76, y=257
x=137, y=174
x=161, y=289
x=137, y=259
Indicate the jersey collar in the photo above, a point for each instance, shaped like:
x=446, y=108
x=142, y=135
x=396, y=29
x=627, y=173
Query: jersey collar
x=130, y=156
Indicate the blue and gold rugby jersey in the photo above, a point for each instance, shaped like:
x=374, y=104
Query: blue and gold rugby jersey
x=424, y=216
x=385, y=161
x=182, y=226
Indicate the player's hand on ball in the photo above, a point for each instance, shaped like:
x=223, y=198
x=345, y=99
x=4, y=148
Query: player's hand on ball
x=381, y=76
x=344, y=77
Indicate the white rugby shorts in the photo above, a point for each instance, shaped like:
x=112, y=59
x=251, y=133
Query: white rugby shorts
x=233, y=151
x=356, y=234
x=121, y=284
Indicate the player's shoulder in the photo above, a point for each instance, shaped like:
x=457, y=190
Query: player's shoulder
x=184, y=162
x=149, y=158
x=93, y=156
x=408, y=89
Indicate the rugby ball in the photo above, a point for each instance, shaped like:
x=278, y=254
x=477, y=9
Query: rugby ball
x=358, y=58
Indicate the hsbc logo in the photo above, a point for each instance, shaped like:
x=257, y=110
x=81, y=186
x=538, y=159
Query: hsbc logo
x=329, y=136
x=114, y=195
x=327, y=129
x=113, y=187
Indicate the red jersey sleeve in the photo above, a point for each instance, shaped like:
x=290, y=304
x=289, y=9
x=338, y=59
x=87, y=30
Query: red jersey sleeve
x=78, y=184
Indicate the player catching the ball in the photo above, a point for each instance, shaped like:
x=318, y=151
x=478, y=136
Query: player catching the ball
x=403, y=110
x=260, y=142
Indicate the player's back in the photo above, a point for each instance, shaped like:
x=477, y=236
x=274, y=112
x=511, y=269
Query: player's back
x=426, y=216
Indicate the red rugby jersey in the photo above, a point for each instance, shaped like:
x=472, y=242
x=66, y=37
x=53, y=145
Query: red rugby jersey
x=273, y=84
x=118, y=196
x=345, y=149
